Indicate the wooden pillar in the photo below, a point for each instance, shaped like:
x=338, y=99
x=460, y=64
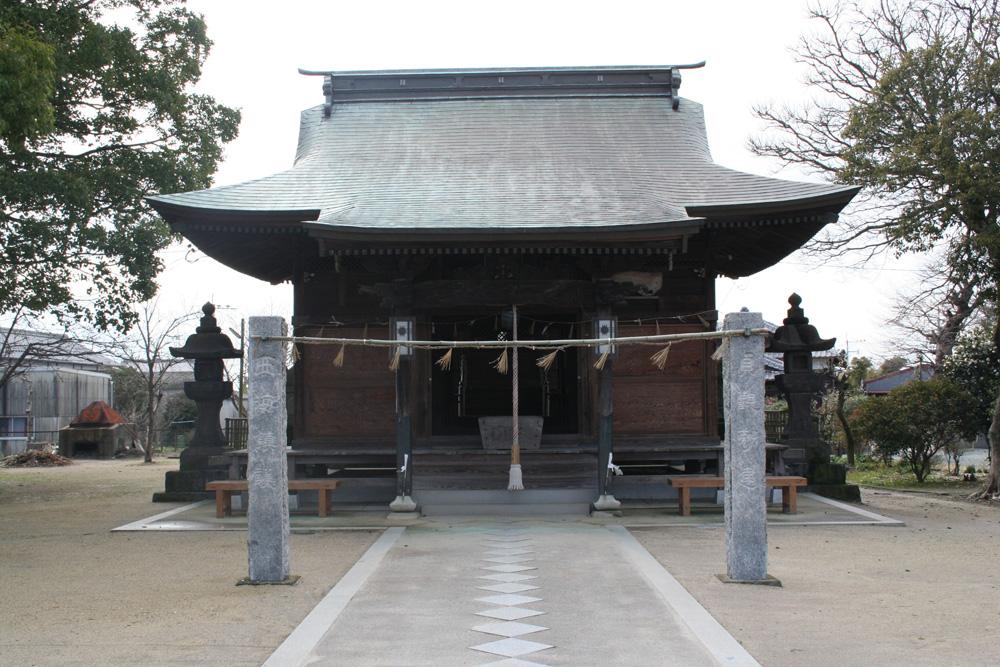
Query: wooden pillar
x=404, y=431
x=605, y=414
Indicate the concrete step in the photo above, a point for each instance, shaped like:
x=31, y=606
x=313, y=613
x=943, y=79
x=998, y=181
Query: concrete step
x=503, y=497
x=497, y=480
x=480, y=458
x=467, y=509
x=500, y=502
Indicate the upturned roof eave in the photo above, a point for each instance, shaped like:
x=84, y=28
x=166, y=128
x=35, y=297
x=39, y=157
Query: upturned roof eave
x=834, y=199
x=172, y=211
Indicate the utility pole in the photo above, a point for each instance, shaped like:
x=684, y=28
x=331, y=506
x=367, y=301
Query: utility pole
x=847, y=349
x=242, y=335
x=243, y=331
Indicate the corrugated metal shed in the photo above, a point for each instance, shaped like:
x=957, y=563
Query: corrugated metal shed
x=54, y=396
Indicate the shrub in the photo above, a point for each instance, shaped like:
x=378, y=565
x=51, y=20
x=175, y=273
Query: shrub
x=918, y=420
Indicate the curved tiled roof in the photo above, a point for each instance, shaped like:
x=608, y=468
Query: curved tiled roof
x=506, y=164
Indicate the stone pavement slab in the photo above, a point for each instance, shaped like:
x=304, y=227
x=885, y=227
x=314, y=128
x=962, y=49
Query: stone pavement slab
x=425, y=604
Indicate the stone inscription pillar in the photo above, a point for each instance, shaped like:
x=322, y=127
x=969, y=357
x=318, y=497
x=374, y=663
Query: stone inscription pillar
x=743, y=400
x=267, y=470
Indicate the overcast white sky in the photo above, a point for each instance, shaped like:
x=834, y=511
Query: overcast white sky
x=260, y=44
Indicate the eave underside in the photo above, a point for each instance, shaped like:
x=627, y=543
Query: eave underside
x=275, y=250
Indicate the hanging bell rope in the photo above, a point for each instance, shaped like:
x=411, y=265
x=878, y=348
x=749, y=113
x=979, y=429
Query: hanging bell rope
x=515, y=482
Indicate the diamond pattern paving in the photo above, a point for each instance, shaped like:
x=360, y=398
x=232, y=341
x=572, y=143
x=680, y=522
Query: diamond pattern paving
x=508, y=549
x=512, y=662
x=509, y=568
x=508, y=629
x=508, y=577
x=509, y=613
x=509, y=559
x=511, y=647
x=509, y=600
x=513, y=552
x=508, y=588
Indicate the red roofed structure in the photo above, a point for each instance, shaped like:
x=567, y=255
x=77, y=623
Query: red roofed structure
x=98, y=413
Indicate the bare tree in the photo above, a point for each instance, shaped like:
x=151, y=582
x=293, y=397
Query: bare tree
x=862, y=59
x=906, y=104
x=145, y=350
x=930, y=318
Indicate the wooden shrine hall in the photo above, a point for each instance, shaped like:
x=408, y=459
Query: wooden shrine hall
x=424, y=205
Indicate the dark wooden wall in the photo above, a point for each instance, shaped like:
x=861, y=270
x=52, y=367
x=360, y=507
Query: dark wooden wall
x=356, y=400
x=672, y=401
x=356, y=403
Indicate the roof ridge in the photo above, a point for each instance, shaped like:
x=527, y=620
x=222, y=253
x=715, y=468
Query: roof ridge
x=472, y=83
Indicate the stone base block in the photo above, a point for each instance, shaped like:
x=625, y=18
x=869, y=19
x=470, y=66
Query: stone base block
x=606, y=503
x=290, y=580
x=768, y=581
x=181, y=496
x=188, y=484
x=848, y=492
x=827, y=473
x=403, y=504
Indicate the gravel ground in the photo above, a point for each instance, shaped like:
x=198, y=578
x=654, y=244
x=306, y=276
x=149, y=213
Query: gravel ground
x=924, y=594
x=76, y=594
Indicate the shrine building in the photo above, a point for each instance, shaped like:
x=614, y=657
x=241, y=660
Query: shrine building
x=437, y=200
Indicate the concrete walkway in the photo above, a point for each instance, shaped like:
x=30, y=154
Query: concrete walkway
x=529, y=592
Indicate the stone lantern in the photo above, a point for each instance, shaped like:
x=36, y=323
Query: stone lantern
x=800, y=385
x=202, y=460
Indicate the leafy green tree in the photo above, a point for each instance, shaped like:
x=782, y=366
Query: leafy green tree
x=917, y=420
x=97, y=111
x=844, y=398
x=130, y=397
x=905, y=104
x=975, y=366
x=891, y=365
x=179, y=414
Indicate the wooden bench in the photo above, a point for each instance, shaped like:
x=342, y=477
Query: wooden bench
x=788, y=485
x=224, y=490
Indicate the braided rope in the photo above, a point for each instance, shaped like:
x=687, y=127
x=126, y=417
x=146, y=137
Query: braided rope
x=526, y=344
x=516, y=447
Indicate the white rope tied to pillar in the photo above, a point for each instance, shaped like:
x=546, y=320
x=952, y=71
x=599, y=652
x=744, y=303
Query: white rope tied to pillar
x=515, y=483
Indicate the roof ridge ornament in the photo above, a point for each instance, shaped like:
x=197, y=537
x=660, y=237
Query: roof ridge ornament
x=328, y=92
x=500, y=82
